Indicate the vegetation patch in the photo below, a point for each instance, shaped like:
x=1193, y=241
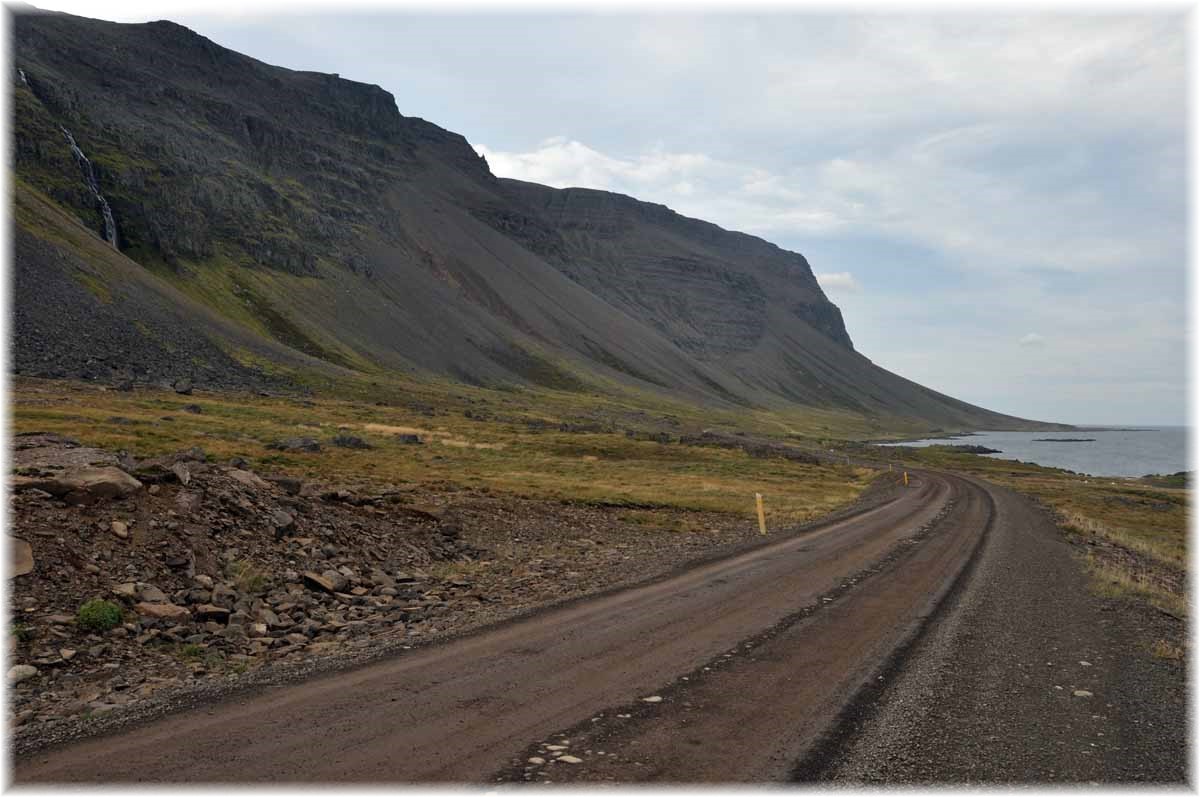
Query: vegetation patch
x=98, y=615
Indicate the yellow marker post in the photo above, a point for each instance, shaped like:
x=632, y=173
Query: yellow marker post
x=762, y=518
x=905, y=478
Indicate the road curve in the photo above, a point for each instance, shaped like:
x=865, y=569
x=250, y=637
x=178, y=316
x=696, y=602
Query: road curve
x=834, y=601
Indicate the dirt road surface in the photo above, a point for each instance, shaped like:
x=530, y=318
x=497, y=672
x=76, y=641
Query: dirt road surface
x=761, y=666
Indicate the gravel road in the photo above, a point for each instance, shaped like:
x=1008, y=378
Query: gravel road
x=918, y=640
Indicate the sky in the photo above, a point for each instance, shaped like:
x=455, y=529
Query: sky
x=997, y=202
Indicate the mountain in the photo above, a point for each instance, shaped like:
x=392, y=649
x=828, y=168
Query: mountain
x=182, y=210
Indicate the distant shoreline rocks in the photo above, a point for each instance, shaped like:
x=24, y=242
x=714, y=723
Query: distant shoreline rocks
x=972, y=449
x=1063, y=440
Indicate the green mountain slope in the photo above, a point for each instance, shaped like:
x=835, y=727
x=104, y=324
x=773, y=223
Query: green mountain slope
x=267, y=217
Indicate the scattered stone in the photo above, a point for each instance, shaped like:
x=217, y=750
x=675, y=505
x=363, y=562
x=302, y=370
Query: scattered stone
x=283, y=523
x=21, y=672
x=208, y=611
x=67, y=653
x=152, y=594
x=350, y=441
x=296, y=444
x=1085, y=663
x=120, y=529
x=224, y=596
x=557, y=747
x=570, y=759
x=183, y=387
x=330, y=581
x=288, y=484
x=408, y=439
x=537, y=760
x=182, y=472
x=84, y=485
x=162, y=611
x=247, y=478
x=22, y=556
x=195, y=409
x=652, y=699
x=127, y=590
x=1082, y=693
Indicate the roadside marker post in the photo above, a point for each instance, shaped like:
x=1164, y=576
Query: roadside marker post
x=905, y=478
x=762, y=518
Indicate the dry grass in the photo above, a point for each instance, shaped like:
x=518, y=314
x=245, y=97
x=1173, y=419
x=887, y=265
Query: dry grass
x=1162, y=649
x=1115, y=579
x=1143, y=525
x=1129, y=539
x=501, y=452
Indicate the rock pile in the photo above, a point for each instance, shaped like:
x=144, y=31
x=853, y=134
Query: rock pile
x=212, y=565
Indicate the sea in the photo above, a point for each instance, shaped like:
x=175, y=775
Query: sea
x=1112, y=451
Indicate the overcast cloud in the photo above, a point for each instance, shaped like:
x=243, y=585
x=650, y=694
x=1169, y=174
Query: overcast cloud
x=956, y=181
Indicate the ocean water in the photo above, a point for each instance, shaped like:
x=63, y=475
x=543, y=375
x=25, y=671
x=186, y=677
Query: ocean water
x=1114, y=452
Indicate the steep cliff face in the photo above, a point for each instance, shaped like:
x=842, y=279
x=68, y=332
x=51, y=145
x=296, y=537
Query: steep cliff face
x=704, y=287
x=302, y=216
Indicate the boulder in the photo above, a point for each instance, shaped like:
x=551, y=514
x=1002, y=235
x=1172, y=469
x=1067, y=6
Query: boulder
x=282, y=522
x=350, y=441
x=162, y=611
x=83, y=485
x=330, y=581
x=152, y=594
x=224, y=596
x=183, y=387
x=21, y=672
x=22, y=557
x=127, y=590
x=296, y=444
x=208, y=611
x=247, y=479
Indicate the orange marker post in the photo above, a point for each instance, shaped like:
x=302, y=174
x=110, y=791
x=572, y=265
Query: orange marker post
x=905, y=478
x=762, y=518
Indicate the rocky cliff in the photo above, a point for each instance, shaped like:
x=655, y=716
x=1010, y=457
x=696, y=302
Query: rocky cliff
x=300, y=218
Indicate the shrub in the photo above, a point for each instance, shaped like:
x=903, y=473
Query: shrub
x=98, y=615
x=247, y=577
x=22, y=632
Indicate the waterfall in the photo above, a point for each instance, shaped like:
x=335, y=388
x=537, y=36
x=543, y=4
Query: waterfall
x=21, y=74
x=89, y=177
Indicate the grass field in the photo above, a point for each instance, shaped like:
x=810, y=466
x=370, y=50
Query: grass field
x=510, y=441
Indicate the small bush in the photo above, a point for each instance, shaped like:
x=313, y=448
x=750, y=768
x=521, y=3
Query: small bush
x=98, y=615
x=247, y=577
x=23, y=633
